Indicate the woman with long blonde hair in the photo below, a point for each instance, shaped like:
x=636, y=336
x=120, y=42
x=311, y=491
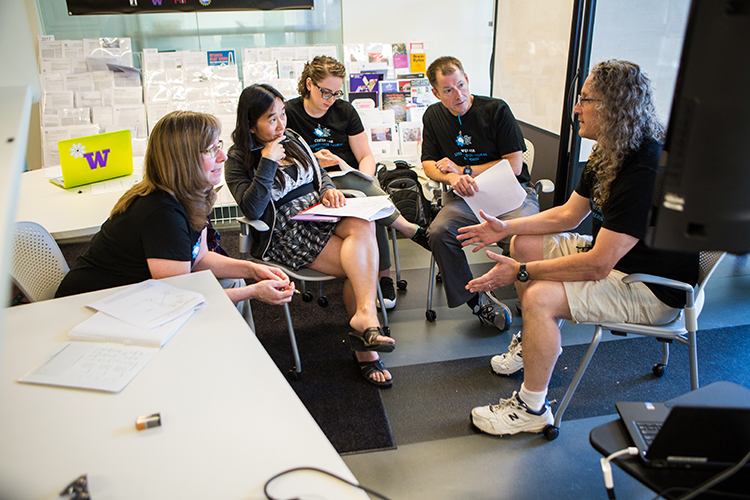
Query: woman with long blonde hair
x=158, y=228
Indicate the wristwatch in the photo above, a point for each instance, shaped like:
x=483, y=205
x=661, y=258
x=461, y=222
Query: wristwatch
x=468, y=170
x=523, y=275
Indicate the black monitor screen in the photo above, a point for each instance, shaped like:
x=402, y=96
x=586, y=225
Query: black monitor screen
x=703, y=193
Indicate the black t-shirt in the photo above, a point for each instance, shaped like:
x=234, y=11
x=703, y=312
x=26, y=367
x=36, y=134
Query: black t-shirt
x=153, y=226
x=485, y=133
x=627, y=212
x=331, y=131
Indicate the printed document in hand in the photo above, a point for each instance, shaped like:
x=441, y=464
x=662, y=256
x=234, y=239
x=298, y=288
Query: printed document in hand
x=369, y=208
x=499, y=191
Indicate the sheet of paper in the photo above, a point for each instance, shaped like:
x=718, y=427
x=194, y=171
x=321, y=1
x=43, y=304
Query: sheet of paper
x=149, y=304
x=117, y=185
x=102, y=327
x=499, y=191
x=91, y=365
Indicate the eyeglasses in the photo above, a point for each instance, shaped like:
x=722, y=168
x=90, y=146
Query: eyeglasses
x=327, y=94
x=211, y=152
x=581, y=100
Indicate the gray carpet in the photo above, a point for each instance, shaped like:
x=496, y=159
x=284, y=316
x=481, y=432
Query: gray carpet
x=434, y=400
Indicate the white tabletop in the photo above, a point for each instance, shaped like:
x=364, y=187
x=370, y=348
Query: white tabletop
x=230, y=419
x=65, y=213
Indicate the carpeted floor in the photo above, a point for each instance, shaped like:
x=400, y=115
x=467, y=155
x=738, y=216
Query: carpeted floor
x=433, y=400
x=348, y=409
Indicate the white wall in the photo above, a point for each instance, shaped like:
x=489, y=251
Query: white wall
x=461, y=29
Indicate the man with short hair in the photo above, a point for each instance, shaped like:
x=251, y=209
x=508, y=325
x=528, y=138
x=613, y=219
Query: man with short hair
x=575, y=277
x=464, y=135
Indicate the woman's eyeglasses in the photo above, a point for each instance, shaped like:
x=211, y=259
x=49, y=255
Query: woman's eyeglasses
x=327, y=94
x=581, y=100
x=211, y=152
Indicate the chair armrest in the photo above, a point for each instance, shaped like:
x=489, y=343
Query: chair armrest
x=658, y=280
x=353, y=193
x=544, y=185
x=256, y=224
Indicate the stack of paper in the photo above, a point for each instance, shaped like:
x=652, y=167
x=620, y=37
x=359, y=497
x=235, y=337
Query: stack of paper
x=143, y=317
x=369, y=208
x=146, y=314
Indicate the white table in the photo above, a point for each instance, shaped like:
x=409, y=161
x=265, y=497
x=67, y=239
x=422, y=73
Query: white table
x=65, y=213
x=230, y=420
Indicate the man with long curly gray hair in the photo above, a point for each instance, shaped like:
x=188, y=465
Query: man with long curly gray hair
x=561, y=275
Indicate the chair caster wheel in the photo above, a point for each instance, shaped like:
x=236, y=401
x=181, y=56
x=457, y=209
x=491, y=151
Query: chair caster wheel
x=293, y=375
x=659, y=369
x=551, y=432
x=430, y=315
x=307, y=297
x=439, y=277
x=323, y=301
x=401, y=284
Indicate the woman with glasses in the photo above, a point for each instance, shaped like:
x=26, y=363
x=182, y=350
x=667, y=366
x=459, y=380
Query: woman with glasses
x=333, y=130
x=159, y=227
x=273, y=175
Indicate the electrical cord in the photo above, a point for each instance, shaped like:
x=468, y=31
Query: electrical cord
x=609, y=482
x=315, y=469
x=711, y=482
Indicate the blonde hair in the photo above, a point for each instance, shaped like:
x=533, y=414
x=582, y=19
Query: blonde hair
x=627, y=118
x=320, y=68
x=174, y=164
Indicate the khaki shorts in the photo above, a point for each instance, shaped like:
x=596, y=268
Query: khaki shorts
x=609, y=299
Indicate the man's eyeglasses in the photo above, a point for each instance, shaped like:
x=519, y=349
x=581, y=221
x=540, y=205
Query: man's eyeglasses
x=581, y=100
x=211, y=152
x=327, y=94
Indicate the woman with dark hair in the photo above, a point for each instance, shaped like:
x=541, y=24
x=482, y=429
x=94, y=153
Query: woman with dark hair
x=335, y=134
x=273, y=175
x=158, y=228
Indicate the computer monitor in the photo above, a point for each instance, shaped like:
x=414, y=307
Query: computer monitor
x=703, y=190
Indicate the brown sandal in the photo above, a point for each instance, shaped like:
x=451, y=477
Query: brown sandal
x=365, y=341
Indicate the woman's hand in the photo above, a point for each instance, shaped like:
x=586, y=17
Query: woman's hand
x=274, y=151
x=489, y=232
x=334, y=198
x=273, y=292
x=327, y=159
x=263, y=272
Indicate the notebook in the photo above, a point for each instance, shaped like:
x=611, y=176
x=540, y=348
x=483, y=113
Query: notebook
x=687, y=436
x=94, y=158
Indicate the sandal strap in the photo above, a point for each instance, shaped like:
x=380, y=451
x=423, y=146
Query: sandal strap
x=371, y=334
x=368, y=367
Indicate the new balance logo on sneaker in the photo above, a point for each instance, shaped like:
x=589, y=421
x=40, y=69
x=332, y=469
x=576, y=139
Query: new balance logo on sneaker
x=511, y=416
x=492, y=311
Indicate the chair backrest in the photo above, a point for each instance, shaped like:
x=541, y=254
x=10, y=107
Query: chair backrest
x=528, y=155
x=707, y=264
x=38, y=266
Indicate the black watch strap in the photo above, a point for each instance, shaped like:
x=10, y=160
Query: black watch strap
x=523, y=275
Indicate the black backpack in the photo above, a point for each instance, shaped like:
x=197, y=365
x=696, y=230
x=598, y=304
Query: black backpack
x=402, y=184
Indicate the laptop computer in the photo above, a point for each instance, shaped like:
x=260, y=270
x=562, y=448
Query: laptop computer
x=94, y=158
x=687, y=436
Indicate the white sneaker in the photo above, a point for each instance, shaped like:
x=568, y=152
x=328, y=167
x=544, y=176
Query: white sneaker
x=512, y=361
x=490, y=310
x=509, y=362
x=511, y=416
